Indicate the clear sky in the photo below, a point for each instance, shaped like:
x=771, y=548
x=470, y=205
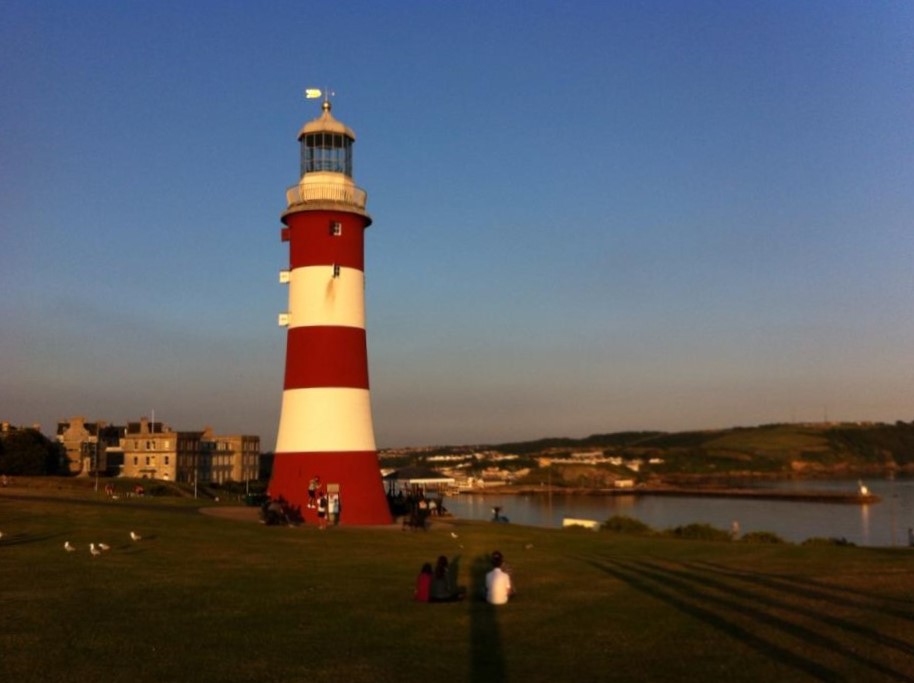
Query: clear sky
x=588, y=216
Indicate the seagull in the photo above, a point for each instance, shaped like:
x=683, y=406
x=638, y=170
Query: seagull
x=95, y=551
x=135, y=536
x=104, y=546
x=69, y=548
x=528, y=546
x=453, y=535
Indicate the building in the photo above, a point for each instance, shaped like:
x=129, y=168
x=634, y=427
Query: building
x=91, y=446
x=152, y=450
x=325, y=425
x=230, y=458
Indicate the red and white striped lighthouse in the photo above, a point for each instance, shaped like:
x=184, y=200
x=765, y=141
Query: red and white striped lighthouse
x=325, y=428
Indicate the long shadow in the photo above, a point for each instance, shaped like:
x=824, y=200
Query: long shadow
x=486, y=656
x=687, y=583
x=22, y=538
x=857, y=629
x=660, y=590
x=807, y=587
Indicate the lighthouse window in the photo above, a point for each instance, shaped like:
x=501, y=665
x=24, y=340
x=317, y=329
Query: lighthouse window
x=326, y=152
x=336, y=228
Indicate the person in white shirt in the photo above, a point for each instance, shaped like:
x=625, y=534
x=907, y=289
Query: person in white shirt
x=498, y=582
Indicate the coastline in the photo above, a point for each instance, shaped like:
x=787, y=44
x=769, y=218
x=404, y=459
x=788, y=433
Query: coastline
x=809, y=496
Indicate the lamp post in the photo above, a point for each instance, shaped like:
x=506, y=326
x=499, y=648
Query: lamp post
x=97, y=437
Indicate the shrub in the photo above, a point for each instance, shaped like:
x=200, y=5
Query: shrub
x=699, y=532
x=762, y=537
x=819, y=540
x=621, y=524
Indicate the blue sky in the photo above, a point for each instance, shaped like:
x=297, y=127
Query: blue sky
x=588, y=217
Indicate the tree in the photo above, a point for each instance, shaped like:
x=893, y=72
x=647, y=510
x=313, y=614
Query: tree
x=28, y=452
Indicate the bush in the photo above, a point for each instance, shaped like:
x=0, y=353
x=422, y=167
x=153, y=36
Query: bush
x=159, y=490
x=762, y=537
x=818, y=540
x=621, y=524
x=699, y=532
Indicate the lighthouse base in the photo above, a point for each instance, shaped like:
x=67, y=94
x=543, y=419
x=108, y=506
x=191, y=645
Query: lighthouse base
x=355, y=475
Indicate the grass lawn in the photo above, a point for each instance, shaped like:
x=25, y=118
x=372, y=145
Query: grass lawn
x=203, y=598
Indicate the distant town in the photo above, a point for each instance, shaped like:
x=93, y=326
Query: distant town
x=625, y=460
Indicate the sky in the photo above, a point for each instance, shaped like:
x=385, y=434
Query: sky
x=589, y=217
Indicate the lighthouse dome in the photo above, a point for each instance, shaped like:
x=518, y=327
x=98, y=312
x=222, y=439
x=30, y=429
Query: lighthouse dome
x=325, y=123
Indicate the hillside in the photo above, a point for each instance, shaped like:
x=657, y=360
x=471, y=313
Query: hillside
x=776, y=450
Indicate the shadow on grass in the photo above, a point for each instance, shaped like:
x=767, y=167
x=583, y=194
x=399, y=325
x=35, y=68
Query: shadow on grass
x=486, y=654
x=23, y=538
x=710, y=601
x=732, y=595
x=808, y=587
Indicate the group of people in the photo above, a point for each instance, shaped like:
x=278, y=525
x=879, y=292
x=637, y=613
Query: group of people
x=327, y=505
x=439, y=584
x=415, y=507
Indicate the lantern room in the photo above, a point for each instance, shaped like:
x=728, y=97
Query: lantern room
x=326, y=145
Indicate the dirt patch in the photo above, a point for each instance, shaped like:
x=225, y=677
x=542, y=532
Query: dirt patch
x=240, y=513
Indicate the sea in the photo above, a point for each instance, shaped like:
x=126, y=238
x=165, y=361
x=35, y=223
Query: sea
x=887, y=523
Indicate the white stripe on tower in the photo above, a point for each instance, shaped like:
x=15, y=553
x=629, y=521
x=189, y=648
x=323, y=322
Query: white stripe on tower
x=318, y=298
x=325, y=419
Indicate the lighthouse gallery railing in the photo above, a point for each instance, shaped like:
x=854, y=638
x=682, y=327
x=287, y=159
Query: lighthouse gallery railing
x=326, y=192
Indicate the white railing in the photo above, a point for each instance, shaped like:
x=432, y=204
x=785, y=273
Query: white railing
x=326, y=192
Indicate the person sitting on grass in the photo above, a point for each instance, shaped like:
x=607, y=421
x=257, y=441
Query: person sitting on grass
x=498, y=582
x=423, y=583
x=443, y=584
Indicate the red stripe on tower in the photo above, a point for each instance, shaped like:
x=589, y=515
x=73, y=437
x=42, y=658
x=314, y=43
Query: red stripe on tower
x=326, y=357
x=325, y=426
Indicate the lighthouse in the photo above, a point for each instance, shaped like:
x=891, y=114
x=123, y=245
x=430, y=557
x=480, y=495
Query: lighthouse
x=326, y=440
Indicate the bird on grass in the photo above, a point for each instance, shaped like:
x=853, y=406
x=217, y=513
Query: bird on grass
x=134, y=536
x=69, y=548
x=453, y=535
x=104, y=546
x=95, y=551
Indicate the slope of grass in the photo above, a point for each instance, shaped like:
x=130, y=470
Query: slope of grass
x=209, y=599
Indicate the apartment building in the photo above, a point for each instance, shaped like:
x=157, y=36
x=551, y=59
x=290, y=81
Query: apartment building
x=152, y=450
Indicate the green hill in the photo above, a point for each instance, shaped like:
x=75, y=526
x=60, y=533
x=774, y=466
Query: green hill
x=768, y=450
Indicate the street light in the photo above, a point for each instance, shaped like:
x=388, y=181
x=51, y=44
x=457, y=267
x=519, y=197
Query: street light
x=97, y=437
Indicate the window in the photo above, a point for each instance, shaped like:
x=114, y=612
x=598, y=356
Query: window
x=136, y=460
x=336, y=228
x=326, y=152
x=336, y=270
x=167, y=460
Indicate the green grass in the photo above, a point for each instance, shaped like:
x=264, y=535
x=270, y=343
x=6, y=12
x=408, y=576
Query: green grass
x=208, y=599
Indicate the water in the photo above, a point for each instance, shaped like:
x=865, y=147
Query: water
x=881, y=524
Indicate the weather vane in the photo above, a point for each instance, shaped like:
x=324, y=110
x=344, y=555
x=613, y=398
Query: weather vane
x=314, y=93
